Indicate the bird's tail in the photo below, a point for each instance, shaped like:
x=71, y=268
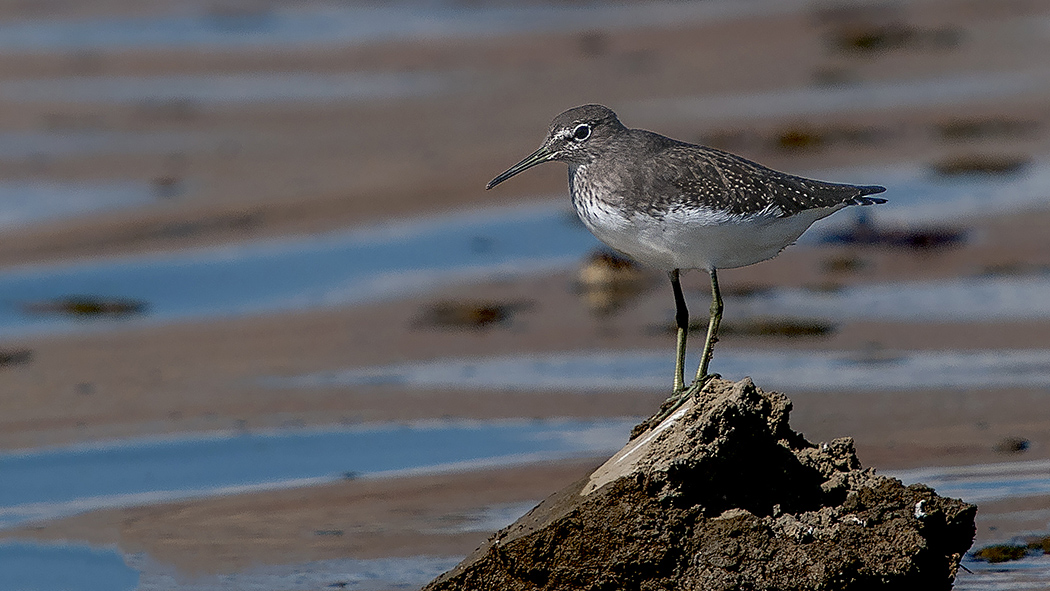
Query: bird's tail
x=862, y=197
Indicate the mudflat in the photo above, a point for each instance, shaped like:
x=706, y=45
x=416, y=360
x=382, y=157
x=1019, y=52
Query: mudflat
x=255, y=171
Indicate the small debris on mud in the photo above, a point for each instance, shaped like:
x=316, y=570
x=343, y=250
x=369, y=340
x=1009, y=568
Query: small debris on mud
x=88, y=306
x=470, y=314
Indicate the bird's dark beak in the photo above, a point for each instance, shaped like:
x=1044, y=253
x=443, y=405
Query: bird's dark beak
x=540, y=156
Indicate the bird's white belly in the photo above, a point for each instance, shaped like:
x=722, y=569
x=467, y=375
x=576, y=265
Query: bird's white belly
x=697, y=238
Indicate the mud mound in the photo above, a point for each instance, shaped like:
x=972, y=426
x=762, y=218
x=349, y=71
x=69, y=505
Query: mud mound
x=724, y=495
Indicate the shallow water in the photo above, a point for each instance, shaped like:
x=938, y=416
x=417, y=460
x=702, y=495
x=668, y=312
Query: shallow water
x=847, y=98
x=321, y=26
x=54, y=482
x=377, y=574
x=985, y=482
x=260, y=87
x=918, y=196
x=487, y=519
x=23, y=203
x=34, y=566
x=586, y=372
x=31, y=566
x=41, y=145
x=393, y=260
x=1029, y=574
x=966, y=299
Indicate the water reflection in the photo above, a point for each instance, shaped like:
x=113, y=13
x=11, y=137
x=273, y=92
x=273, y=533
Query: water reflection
x=608, y=281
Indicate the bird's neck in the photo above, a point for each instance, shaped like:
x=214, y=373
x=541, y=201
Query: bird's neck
x=589, y=186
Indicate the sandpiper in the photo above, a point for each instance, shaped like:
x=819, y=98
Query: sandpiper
x=677, y=206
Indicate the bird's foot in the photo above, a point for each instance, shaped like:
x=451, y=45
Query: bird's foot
x=673, y=403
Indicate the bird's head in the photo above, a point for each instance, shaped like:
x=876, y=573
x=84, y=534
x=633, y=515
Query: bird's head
x=576, y=136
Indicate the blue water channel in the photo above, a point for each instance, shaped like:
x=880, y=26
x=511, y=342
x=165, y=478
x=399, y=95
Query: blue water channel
x=30, y=566
x=321, y=26
x=344, y=268
x=49, y=483
x=402, y=259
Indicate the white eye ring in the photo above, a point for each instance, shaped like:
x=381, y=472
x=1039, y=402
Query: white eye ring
x=582, y=132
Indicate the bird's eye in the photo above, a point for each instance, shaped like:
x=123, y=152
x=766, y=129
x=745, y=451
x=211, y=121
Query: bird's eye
x=582, y=132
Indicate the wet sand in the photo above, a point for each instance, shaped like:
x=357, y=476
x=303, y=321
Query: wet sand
x=399, y=517
x=267, y=170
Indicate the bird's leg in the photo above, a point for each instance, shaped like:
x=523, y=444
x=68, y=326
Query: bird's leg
x=681, y=395
x=712, y=331
x=681, y=318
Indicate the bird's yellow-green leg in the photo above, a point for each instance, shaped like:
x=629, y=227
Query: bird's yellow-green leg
x=712, y=331
x=681, y=394
x=681, y=318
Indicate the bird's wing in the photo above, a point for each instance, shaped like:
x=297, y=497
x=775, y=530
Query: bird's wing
x=720, y=180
